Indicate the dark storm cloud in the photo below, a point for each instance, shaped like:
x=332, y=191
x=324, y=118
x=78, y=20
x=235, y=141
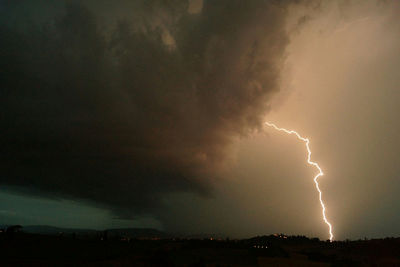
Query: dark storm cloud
x=121, y=113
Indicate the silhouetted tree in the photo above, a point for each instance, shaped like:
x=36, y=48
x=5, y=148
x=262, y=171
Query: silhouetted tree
x=11, y=230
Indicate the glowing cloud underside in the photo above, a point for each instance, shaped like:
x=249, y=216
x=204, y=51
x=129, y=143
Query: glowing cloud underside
x=320, y=173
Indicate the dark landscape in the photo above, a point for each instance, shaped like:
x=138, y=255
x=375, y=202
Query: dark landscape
x=199, y=133
x=51, y=246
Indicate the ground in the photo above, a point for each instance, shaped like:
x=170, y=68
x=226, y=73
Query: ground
x=21, y=249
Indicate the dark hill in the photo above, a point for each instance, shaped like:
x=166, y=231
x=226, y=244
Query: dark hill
x=120, y=232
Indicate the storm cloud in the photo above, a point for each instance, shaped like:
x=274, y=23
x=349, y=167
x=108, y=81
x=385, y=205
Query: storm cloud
x=119, y=110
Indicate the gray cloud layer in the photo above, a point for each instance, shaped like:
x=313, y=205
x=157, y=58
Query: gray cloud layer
x=119, y=114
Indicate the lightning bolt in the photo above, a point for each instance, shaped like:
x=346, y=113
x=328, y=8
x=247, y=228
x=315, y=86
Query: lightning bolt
x=320, y=172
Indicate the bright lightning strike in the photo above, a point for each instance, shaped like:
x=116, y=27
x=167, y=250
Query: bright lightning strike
x=320, y=173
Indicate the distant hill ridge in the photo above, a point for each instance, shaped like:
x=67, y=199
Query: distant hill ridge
x=128, y=232
x=112, y=232
x=47, y=229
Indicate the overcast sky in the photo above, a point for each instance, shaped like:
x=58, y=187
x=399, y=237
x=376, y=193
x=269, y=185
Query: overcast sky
x=146, y=114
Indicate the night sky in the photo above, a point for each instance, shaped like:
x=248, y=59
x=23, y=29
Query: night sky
x=151, y=113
